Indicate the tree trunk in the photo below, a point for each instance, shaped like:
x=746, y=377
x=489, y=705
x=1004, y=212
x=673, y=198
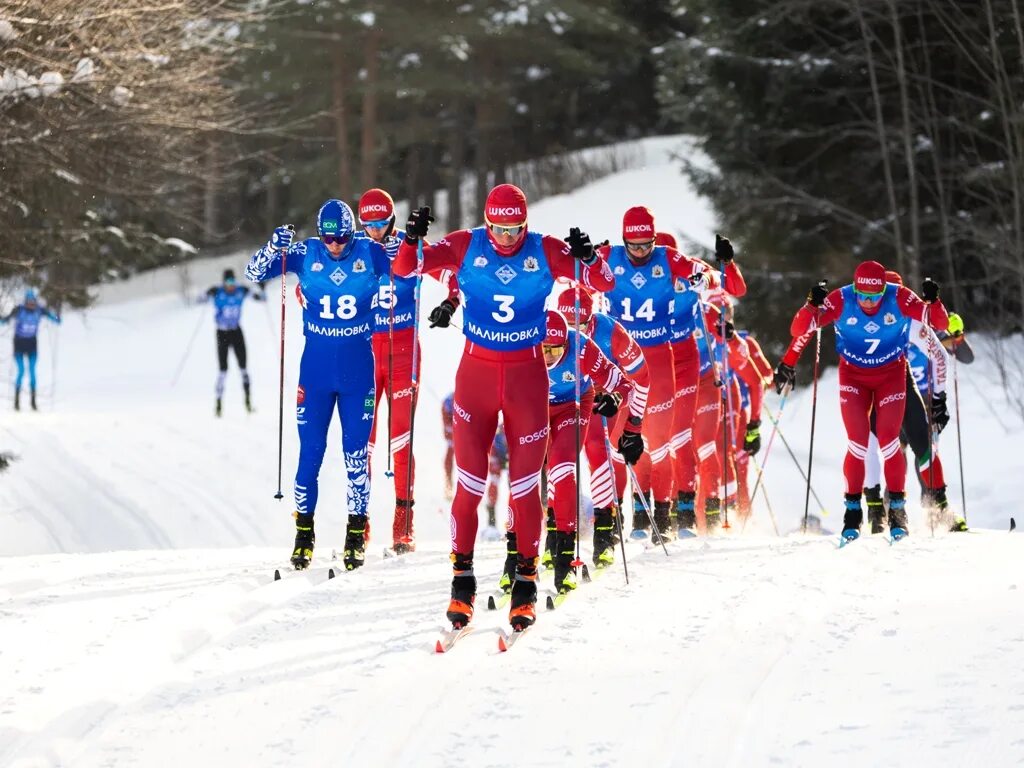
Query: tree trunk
x=338, y=94
x=913, y=274
x=882, y=143
x=211, y=199
x=368, y=146
x=457, y=154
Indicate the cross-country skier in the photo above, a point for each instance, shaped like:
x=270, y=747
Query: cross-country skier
x=393, y=341
x=339, y=275
x=227, y=299
x=27, y=317
x=505, y=273
x=872, y=320
x=606, y=484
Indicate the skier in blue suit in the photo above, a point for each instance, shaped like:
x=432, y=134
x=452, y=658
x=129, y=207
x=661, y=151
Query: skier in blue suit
x=227, y=301
x=27, y=317
x=339, y=276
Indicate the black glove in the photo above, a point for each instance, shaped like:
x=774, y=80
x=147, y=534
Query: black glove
x=784, y=375
x=929, y=290
x=631, y=446
x=752, y=440
x=580, y=246
x=940, y=414
x=730, y=330
x=441, y=315
x=723, y=249
x=418, y=224
x=607, y=404
x=816, y=296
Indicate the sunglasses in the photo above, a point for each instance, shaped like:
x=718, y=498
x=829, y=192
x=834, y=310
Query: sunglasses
x=868, y=296
x=551, y=349
x=332, y=239
x=639, y=247
x=502, y=229
x=376, y=224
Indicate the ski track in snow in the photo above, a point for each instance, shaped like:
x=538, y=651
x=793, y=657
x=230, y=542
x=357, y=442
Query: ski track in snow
x=140, y=625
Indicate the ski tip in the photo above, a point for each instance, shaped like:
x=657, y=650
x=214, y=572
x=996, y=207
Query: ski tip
x=502, y=643
x=491, y=605
x=550, y=603
x=1013, y=524
x=585, y=573
x=438, y=648
x=330, y=574
x=277, y=575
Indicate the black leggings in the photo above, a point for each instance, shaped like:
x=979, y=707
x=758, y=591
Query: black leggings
x=232, y=339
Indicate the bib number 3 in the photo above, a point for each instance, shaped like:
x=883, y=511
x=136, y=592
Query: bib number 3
x=504, y=313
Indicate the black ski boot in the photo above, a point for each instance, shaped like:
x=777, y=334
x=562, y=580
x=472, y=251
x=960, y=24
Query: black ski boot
x=959, y=524
x=548, y=558
x=852, y=517
x=876, y=509
x=218, y=410
x=523, y=609
x=641, y=522
x=898, y=526
x=604, y=536
x=686, y=515
x=663, y=520
x=460, y=608
x=713, y=513
x=32, y=399
x=302, y=553
x=248, y=398
x=355, y=542
x=565, y=553
x=511, y=554
x=17, y=399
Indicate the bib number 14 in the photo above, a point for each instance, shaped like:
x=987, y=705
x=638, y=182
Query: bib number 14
x=644, y=312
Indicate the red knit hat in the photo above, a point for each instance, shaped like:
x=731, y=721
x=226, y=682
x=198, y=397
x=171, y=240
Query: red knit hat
x=892, y=276
x=638, y=224
x=558, y=329
x=567, y=304
x=376, y=205
x=869, y=277
x=506, y=204
x=666, y=238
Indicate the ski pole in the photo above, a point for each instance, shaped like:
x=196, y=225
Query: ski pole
x=959, y=447
x=578, y=562
x=771, y=438
x=188, y=348
x=413, y=396
x=814, y=412
x=391, y=363
x=615, y=494
x=280, y=386
x=643, y=502
x=727, y=411
x=796, y=461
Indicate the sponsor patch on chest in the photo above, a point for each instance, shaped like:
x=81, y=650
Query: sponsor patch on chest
x=505, y=273
x=338, y=276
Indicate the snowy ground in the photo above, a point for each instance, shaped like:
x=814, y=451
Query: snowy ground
x=139, y=623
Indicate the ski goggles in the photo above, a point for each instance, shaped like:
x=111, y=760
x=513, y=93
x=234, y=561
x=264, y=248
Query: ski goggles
x=376, y=224
x=506, y=229
x=552, y=349
x=862, y=296
x=332, y=239
x=643, y=247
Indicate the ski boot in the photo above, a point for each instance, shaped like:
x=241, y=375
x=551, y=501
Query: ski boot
x=355, y=542
x=852, y=517
x=509, y=573
x=248, y=399
x=302, y=553
x=641, y=523
x=548, y=558
x=686, y=515
x=218, y=410
x=663, y=520
x=460, y=608
x=401, y=529
x=32, y=399
x=876, y=509
x=712, y=513
x=604, y=532
x=17, y=399
x=523, y=609
x=938, y=506
x=565, y=553
x=898, y=526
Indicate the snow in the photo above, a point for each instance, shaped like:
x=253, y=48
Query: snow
x=7, y=31
x=141, y=625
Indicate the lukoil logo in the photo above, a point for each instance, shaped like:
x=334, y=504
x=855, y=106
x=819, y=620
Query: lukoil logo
x=637, y=229
x=870, y=281
x=373, y=208
x=505, y=212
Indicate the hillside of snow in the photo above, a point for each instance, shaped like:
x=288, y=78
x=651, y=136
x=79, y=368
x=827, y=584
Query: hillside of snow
x=140, y=623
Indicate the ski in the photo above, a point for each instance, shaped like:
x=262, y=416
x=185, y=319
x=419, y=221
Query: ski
x=844, y=540
x=498, y=600
x=554, y=601
x=449, y=637
x=507, y=640
x=1013, y=525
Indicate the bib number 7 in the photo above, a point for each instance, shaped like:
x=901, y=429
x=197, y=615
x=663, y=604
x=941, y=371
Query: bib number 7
x=872, y=345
